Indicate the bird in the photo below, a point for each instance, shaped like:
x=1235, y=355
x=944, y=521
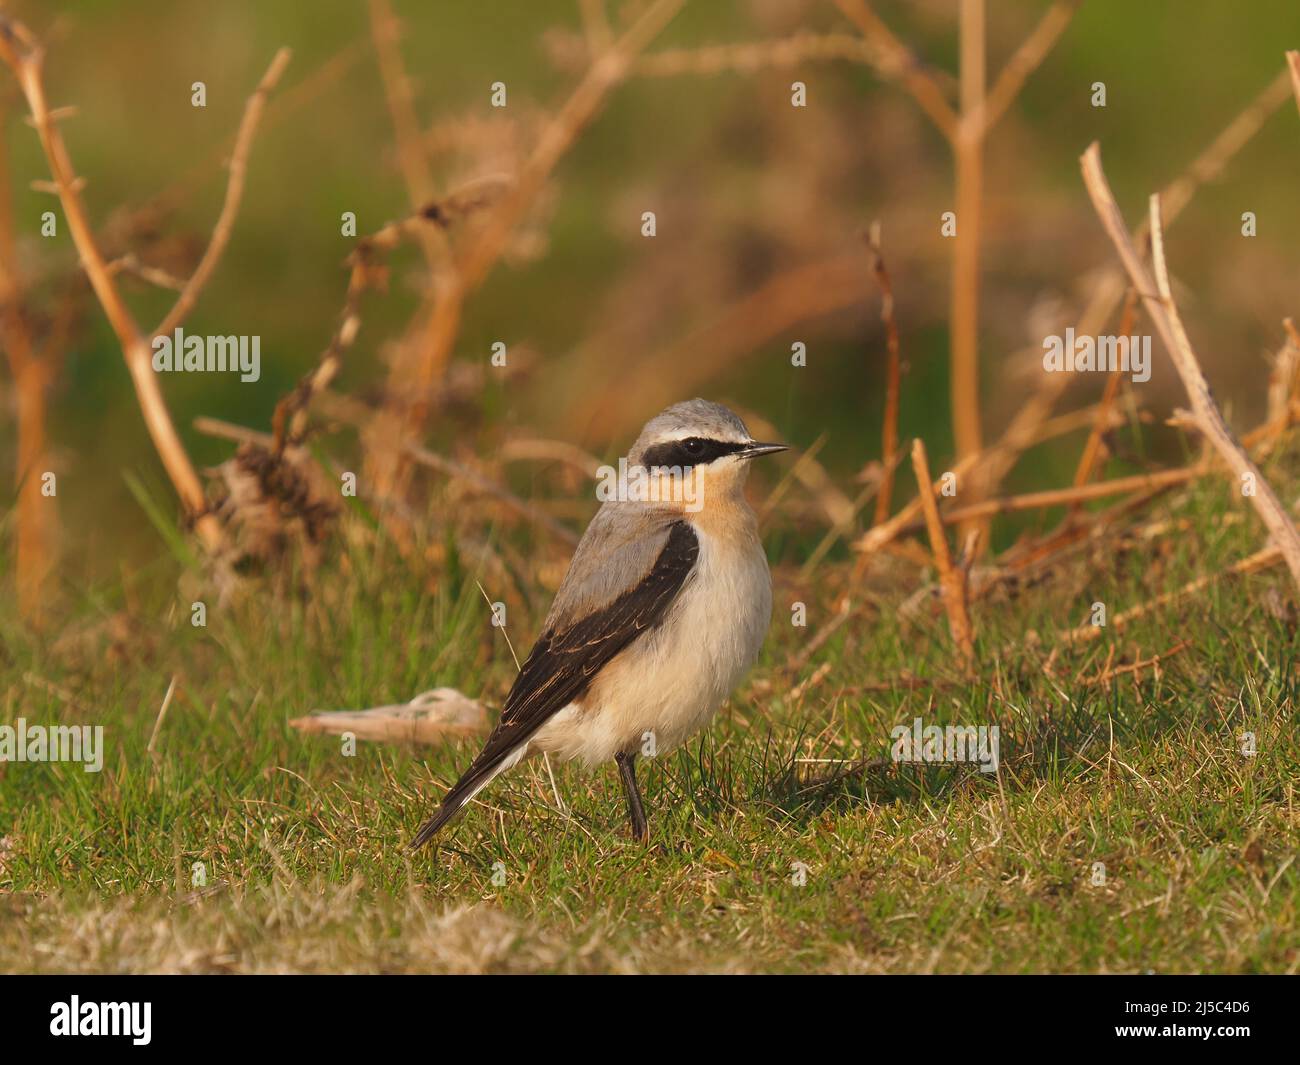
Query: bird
x=663, y=609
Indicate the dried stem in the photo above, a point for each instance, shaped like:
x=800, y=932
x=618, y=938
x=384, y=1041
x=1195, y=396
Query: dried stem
x=35, y=514
x=1164, y=313
x=1092, y=448
x=897, y=61
x=385, y=31
x=968, y=148
x=24, y=55
x=234, y=193
x=522, y=507
x=952, y=579
x=748, y=57
x=418, y=374
x=1269, y=556
x=889, y=432
x=1055, y=497
x=1027, y=58
x=1111, y=287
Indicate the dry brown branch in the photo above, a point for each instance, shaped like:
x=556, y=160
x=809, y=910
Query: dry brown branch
x=877, y=538
x=952, y=579
x=839, y=528
x=1092, y=447
x=224, y=430
x=897, y=61
x=1164, y=313
x=1110, y=288
x=534, y=450
x=1055, y=497
x=24, y=56
x=1026, y=59
x=277, y=110
x=522, y=507
x=1260, y=560
x=366, y=270
x=385, y=31
x=35, y=514
x=735, y=330
x=797, y=661
x=417, y=374
x=1283, y=382
x=968, y=159
x=889, y=432
x=1152, y=663
x=234, y=193
x=595, y=26
x=749, y=57
x=131, y=264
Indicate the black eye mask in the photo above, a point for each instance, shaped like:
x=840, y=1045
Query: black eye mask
x=693, y=451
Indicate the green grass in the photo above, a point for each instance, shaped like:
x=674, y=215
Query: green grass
x=909, y=868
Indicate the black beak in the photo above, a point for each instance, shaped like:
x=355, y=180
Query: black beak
x=753, y=449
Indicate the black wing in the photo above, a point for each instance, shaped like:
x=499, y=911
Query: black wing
x=561, y=665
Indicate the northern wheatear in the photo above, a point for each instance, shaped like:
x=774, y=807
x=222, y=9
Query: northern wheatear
x=663, y=609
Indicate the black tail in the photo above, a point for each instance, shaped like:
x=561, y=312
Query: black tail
x=430, y=828
x=474, y=778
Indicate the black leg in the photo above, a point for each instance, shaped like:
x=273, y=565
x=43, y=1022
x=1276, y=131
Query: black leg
x=635, y=812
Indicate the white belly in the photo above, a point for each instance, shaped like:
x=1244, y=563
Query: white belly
x=668, y=684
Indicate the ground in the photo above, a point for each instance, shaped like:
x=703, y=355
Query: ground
x=1127, y=829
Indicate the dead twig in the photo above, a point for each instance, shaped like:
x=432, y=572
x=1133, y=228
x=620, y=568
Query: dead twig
x=1260, y=560
x=1055, y=497
x=1108, y=674
x=1026, y=59
x=1164, y=313
x=234, y=193
x=952, y=579
x=1293, y=66
x=897, y=61
x=889, y=432
x=25, y=56
x=496, y=491
x=1092, y=447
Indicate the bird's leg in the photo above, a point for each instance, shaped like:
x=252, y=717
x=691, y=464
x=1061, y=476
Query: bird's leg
x=635, y=812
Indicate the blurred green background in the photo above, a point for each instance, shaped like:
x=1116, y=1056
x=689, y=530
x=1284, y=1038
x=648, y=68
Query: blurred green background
x=745, y=189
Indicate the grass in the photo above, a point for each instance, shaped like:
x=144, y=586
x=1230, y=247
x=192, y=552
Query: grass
x=910, y=868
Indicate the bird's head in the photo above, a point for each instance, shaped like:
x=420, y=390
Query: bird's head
x=695, y=451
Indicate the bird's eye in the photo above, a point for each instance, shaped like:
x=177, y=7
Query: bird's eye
x=693, y=446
